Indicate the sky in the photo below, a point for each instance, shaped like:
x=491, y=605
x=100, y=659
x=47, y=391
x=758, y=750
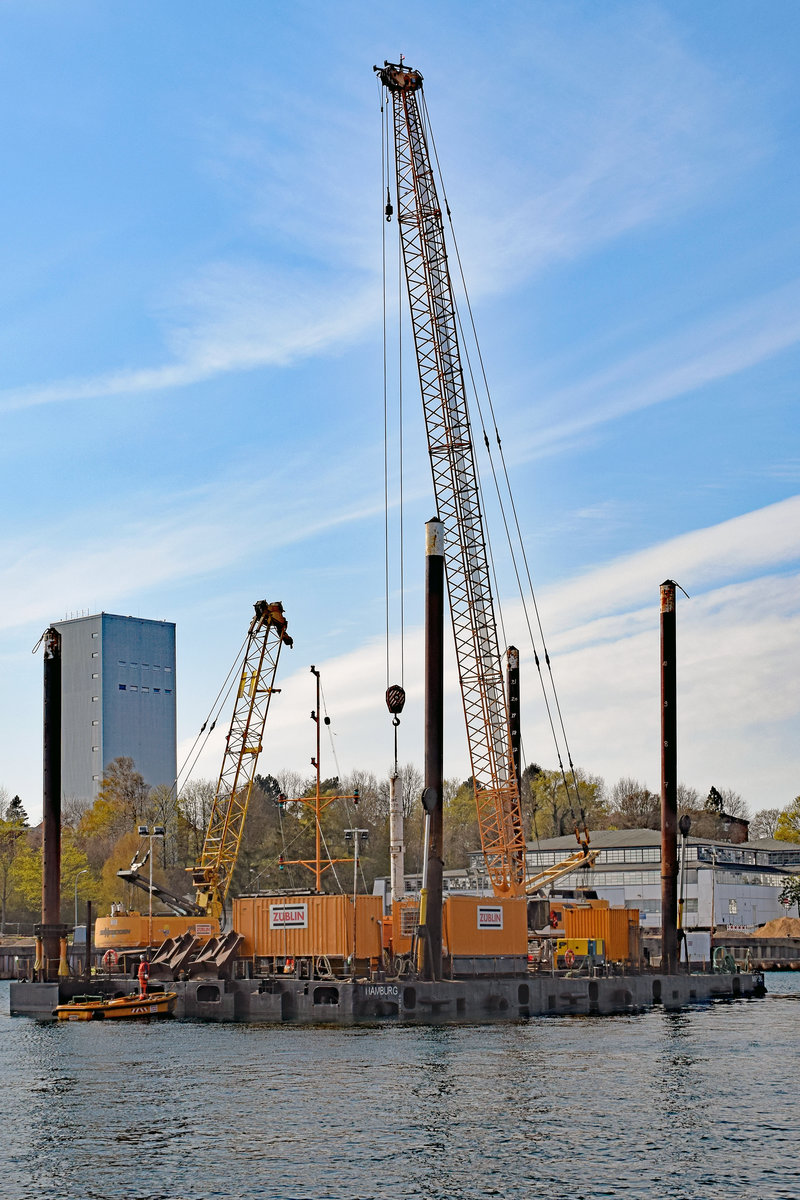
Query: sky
x=192, y=349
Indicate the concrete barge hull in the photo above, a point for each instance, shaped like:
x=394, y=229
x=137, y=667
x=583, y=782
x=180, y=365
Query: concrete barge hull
x=286, y=999
x=471, y=1000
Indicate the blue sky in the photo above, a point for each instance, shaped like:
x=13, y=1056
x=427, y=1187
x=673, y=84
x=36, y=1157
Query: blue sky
x=191, y=391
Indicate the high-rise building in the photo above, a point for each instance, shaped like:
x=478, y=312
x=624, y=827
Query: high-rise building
x=118, y=699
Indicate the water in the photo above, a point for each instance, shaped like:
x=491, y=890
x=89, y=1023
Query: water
x=701, y=1103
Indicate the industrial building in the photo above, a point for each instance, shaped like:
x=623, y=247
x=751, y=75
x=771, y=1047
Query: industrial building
x=118, y=700
x=740, y=883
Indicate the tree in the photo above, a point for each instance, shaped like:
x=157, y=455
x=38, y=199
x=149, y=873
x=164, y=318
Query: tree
x=10, y=835
x=714, y=802
x=557, y=809
x=461, y=828
x=634, y=806
x=194, y=806
x=15, y=813
x=764, y=823
x=791, y=892
x=410, y=779
x=787, y=828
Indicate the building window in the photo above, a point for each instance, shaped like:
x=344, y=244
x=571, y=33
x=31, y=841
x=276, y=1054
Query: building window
x=95, y=722
x=168, y=669
x=133, y=664
x=95, y=777
x=156, y=689
x=123, y=687
x=167, y=691
x=95, y=654
x=156, y=666
x=95, y=674
x=145, y=689
x=95, y=749
x=95, y=635
x=691, y=905
x=121, y=662
x=95, y=699
x=145, y=666
x=733, y=907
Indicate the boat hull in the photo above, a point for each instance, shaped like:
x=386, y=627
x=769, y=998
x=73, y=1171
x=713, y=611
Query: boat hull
x=124, y=1008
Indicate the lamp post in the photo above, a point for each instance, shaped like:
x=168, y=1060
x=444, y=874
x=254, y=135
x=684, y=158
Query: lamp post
x=158, y=831
x=355, y=836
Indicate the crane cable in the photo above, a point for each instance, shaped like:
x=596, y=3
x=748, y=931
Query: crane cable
x=429, y=133
x=205, y=727
x=388, y=211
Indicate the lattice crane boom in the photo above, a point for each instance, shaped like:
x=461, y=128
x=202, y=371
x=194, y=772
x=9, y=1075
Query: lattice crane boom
x=212, y=875
x=455, y=483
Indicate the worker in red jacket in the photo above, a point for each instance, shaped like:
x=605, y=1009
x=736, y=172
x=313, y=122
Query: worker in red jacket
x=144, y=973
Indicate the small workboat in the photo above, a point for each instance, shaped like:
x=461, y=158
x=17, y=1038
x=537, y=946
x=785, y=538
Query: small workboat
x=121, y=1008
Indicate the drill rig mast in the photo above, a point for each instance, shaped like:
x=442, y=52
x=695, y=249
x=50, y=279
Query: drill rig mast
x=455, y=483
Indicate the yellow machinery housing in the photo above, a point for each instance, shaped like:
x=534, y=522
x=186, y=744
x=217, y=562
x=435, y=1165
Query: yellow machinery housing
x=131, y=930
x=616, y=928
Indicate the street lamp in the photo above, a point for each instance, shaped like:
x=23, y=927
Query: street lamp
x=158, y=831
x=357, y=837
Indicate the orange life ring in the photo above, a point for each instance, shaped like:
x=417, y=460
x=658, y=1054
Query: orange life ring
x=569, y=956
x=110, y=958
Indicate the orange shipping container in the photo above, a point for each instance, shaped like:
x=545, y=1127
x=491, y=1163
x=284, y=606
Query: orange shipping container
x=610, y=924
x=477, y=926
x=471, y=925
x=308, y=926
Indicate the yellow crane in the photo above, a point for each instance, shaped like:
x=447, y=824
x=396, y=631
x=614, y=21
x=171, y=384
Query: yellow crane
x=211, y=876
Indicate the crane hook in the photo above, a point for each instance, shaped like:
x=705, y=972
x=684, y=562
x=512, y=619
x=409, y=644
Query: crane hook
x=389, y=209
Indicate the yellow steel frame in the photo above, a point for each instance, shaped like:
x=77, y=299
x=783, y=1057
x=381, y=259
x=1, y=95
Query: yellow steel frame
x=212, y=875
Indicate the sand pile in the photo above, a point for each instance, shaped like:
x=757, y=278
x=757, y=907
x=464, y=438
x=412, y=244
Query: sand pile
x=783, y=927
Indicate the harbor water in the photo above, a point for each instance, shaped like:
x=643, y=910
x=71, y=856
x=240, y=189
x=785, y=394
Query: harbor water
x=698, y=1103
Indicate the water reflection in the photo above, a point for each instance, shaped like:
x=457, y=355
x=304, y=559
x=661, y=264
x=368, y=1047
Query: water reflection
x=650, y=1107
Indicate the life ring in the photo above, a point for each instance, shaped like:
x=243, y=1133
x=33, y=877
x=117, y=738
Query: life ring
x=110, y=958
x=569, y=956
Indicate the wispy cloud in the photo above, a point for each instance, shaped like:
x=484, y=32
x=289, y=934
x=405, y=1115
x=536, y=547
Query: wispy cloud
x=183, y=537
x=705, y=352
x=230, y=318
x=738, y=656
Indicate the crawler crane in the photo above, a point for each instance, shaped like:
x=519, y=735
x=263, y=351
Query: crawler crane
x=456, y=488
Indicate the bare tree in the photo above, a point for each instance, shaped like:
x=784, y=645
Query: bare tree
x=411, y=781
x=764, y=823
x=634, y=806
x=194, y=804
x=734, y=805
